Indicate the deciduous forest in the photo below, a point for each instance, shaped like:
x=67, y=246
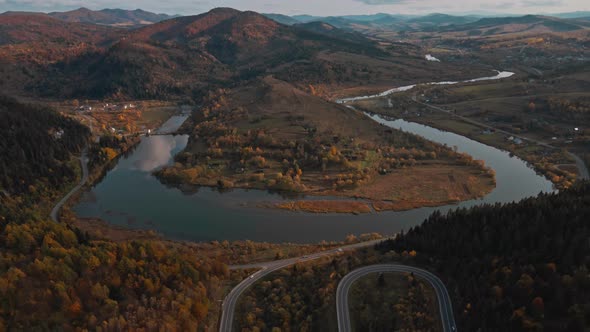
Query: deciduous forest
x=55, y=277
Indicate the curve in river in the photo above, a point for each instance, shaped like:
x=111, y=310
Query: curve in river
x=130, y=196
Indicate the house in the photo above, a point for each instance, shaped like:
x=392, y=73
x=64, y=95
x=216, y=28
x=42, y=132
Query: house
x=57, y=133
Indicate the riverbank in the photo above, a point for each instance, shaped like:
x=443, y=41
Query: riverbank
x=539, y=121
x=558, y=165
x=281, y=139
x=208, y=213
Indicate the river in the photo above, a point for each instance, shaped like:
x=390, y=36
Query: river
x=130, y=196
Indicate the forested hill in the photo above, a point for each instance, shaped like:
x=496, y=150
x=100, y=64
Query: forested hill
x=521, y=266
x=36, y=145
x=54, y=277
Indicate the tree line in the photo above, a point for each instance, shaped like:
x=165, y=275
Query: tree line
x=36, y=145
x=520, y=266
x=54, y=276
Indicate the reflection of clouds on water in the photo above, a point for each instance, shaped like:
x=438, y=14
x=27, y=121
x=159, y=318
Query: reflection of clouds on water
x=156, y=151
x=153, y=152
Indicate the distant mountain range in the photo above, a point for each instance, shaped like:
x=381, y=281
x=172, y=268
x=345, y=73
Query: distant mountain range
x=440, y=22
x=110, y=17
x=85, y=53
x=138, y=18
x=182, y=56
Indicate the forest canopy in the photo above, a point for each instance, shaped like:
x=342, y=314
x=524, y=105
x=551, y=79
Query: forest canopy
x=520, y=266
x=36, y=143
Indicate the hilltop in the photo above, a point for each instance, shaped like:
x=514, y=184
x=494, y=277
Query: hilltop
x=185, y=57
x=112, y=17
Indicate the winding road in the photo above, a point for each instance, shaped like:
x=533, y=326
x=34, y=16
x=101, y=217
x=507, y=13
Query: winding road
x=83, y=180
x=228, y=307
x=229, y=303
x=444, y=301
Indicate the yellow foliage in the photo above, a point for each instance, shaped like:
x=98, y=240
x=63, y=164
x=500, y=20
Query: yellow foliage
x=110, y=153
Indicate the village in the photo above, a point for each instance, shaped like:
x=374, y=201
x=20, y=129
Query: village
x=128, y=118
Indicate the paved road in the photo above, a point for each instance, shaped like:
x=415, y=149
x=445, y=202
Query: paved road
x=582, y=168
x=444, y=301
x=229, y=303
x=84, y=165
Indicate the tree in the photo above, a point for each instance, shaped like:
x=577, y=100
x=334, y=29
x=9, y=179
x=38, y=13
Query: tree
x=381, y=280
x=532, y=107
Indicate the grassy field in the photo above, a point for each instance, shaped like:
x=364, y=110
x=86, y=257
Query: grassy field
x=545, y=111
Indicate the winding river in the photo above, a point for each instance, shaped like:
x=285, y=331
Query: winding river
x=130, y=196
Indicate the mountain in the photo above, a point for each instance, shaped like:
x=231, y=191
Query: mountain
x=371, y=18
x=578, y=14
x=307, y=18
x=37, y=38
x=531, y=24
x=17, y=28
x=30, y=43
x=283, y=19
x=327, y=29
x=113, y=17
x=442, y=19
x=186, y=56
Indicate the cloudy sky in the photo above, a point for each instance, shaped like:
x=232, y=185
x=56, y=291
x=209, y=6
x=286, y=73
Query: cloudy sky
x=314, y=7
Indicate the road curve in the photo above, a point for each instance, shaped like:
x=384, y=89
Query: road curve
x=228, y=306
x=583, y=173
x=84, y=165
x=444, y=301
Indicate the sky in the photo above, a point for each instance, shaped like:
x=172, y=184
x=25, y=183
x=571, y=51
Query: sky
x=313, y=7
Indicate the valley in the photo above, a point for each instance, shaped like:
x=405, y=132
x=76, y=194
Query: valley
x=233, y=170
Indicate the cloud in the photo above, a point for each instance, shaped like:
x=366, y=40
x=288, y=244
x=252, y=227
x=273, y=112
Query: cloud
x=384, y=2
x=542, y=3
x=314, y=7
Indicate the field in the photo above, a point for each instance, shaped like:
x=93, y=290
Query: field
x=543, y=113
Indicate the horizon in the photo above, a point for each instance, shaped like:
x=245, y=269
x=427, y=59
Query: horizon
x=318, y=8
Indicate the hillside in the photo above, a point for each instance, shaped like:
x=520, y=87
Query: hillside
x=524, y=24
x=185, y=57
x=182, y=56
x=516, y=267
x=442, y=19
x=54, y=276
x=113, y=17
x=36, y=145
x=283, y=19
x=31, y=43
x=20, y=28
x=333, y=32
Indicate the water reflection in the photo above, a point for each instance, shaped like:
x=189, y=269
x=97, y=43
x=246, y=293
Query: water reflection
x=130, y=196
x=155, y=152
